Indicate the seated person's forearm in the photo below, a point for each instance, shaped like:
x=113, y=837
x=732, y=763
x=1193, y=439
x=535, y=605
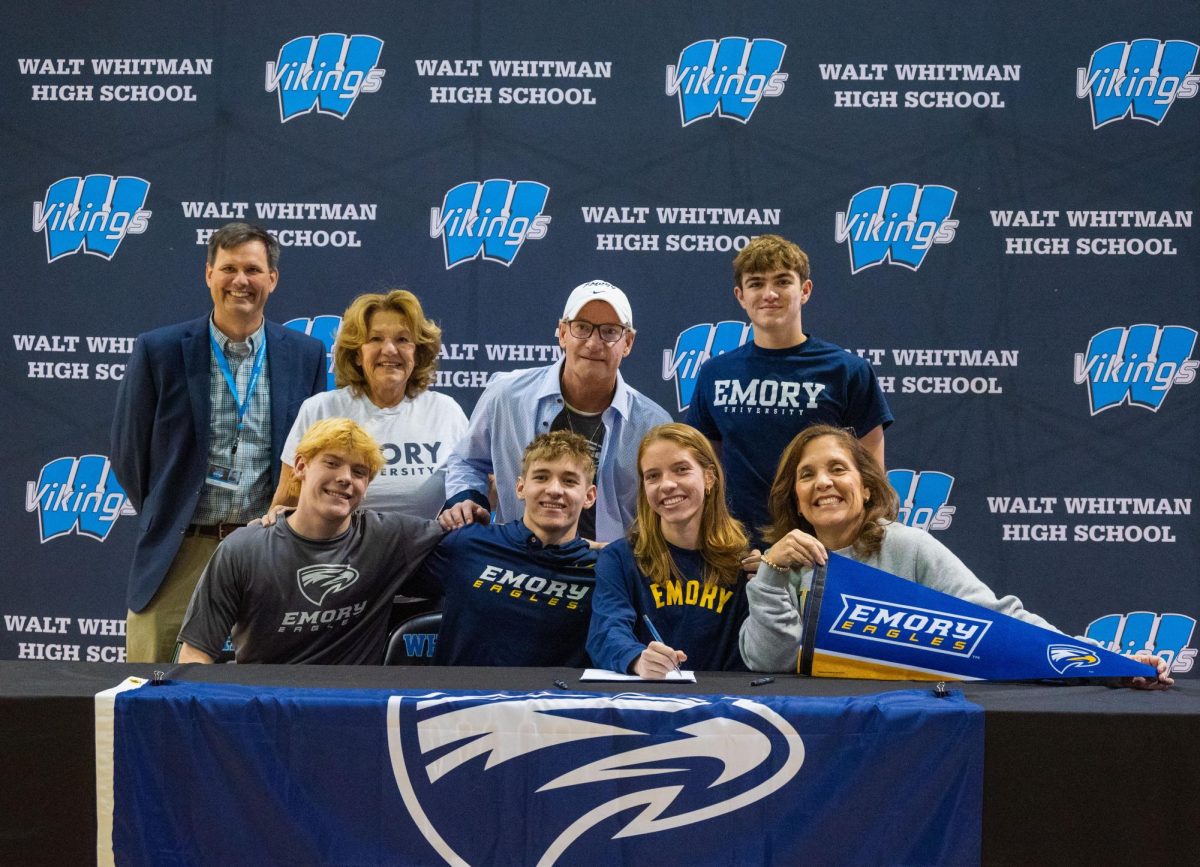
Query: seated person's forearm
x=187, y=653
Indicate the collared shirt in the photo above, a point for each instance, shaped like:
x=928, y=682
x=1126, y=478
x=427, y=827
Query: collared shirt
x=253, y=459
x=516, y=407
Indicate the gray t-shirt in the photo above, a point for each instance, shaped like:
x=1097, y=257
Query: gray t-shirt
x=288, y=599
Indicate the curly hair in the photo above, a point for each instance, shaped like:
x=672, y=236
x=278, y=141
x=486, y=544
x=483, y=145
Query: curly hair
x=722, y=538
x=560, y=444
x=882, y=502
x=356, y=322
x=768, y=253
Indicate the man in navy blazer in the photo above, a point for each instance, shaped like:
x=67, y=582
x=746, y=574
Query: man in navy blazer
x=200, y=422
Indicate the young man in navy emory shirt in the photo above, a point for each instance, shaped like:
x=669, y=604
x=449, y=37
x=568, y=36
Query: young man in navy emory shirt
x=520, y=593
x=752, y=401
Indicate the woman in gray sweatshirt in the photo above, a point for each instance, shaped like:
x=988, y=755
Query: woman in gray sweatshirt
x=830, y=494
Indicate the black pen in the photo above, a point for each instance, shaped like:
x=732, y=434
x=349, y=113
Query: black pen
x=654, y=634
x=762, y=681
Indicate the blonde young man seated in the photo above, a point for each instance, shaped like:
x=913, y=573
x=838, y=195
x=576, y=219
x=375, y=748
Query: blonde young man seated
x=316, y=586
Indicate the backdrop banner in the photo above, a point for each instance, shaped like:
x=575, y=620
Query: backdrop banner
x=999, y=206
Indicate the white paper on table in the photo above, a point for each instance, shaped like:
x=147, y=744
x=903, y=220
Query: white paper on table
x=603, y=674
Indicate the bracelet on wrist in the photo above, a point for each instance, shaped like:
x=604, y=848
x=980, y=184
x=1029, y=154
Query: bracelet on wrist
x=774, y=566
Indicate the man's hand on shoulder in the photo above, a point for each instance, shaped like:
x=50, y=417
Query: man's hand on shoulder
x=273, y=514
x=463, y=513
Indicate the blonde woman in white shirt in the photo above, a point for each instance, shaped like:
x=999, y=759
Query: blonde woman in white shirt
x=384, y=360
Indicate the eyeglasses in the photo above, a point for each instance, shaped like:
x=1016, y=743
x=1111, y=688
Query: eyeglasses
x=581, y=329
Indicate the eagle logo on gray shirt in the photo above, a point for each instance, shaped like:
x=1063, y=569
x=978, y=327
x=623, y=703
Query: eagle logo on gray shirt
x=317, y=582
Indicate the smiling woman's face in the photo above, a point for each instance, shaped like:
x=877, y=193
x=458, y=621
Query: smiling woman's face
x=387, y=357
x=830, y=492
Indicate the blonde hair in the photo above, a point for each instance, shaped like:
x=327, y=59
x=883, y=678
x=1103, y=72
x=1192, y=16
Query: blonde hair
x=342, y=434
x=722, y=538
x=560, y=444
x=768, y=253
x=347, y=371
x=882, y=502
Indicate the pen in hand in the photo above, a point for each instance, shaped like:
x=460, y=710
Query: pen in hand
x=654, y=634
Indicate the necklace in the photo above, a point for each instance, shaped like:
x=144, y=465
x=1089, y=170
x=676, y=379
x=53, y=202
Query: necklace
x=591, y=428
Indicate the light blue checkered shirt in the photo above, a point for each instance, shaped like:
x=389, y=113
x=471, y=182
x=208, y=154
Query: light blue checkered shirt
x=253, y=458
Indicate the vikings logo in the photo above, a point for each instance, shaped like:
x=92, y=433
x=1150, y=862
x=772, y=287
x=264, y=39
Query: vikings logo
x=562, y=773
x=1065, y=657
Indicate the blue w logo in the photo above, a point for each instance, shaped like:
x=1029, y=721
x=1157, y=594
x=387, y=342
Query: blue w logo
x=77, y=494
x=93, y=213
x=1138, y=365
x=1167, y=635
x=490, y=219
x=923, y=498
x=420, y=645
x=727, y=77
x=695, y=346
x=325, y=72
x=325, y=329
x=897, y=224
x=1139, y=79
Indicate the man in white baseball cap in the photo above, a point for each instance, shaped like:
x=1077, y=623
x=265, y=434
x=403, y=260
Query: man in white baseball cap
x=584, y=393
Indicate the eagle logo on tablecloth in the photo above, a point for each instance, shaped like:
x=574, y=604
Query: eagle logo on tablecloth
x=567, y=774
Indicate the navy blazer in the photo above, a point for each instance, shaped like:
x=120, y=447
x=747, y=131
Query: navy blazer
x=160, y=431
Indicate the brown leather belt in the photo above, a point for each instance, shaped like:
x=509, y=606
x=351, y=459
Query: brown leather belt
x=216, y=531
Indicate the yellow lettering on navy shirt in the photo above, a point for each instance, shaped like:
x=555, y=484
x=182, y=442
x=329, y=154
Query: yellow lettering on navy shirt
x=674, y=593
x=726, y=595
x=691, y=592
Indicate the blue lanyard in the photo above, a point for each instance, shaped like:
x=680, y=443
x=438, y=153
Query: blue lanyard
x=243, y=404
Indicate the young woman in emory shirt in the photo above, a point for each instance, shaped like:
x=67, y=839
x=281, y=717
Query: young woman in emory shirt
x=680, y=565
